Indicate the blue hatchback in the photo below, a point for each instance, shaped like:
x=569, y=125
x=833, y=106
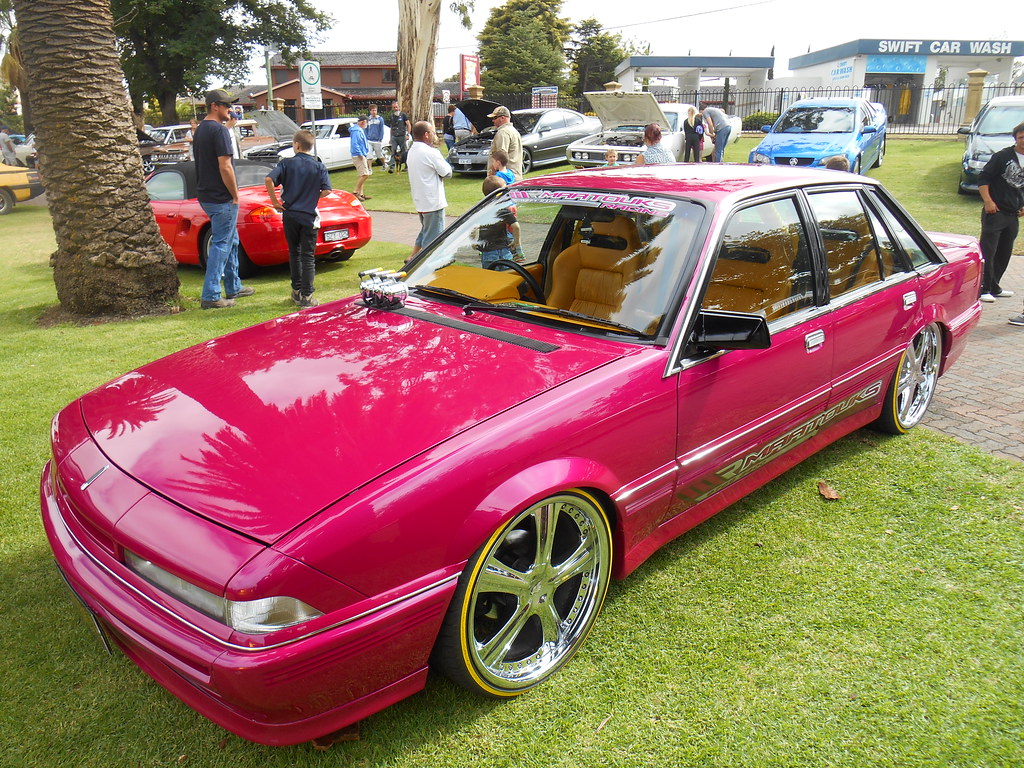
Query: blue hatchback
x=813, y=130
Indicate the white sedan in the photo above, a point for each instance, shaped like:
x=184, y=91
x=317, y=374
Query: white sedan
x=333, y=145
x=623, y=118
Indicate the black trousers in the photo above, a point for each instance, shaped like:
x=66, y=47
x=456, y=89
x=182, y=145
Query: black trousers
x=998, y=231
x=692, y=143
x=301, y=239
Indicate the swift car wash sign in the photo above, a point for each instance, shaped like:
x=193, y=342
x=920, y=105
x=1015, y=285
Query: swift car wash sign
x=946, y=47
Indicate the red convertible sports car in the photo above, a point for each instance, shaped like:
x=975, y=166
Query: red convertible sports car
x=286, y=526
x=345, y=226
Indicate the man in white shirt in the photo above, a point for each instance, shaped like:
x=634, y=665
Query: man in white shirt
x=427, y=171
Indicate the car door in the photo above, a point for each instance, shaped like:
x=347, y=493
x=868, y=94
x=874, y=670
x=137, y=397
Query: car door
x=166, y=190
x=740, y=410
x=337, y=152
x=873, y=295
x=552, y=140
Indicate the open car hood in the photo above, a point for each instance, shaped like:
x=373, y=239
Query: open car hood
x=276, y=124
x=477, y=111
x=618, y=108
x=260, y=430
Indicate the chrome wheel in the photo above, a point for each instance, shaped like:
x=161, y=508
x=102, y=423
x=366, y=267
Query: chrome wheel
x=529, y=597
x=913, y=385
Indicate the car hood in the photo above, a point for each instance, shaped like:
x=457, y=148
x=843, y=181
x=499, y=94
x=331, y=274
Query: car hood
x=615, y=108
x=275, y=124
x=261, y=429
x=987, y=144
x=477, y=111
x=806, y=144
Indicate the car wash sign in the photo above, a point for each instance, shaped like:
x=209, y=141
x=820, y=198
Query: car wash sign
x=946, y=47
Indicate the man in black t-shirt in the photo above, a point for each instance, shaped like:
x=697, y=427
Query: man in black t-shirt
x=218, y=197
x=400, y=127
x=1001, y=186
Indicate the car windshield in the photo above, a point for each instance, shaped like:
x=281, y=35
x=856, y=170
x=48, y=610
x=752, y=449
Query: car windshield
x=817, y=120
x=159, y=134
x=607, y=262
x=323, y=130
x=1001, y=120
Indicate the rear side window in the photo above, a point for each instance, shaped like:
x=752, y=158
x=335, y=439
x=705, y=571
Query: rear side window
x=763, y=264
x=851, y=254
x=169, y=185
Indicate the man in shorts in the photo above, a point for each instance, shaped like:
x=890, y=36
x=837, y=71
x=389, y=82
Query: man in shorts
x=360, y=155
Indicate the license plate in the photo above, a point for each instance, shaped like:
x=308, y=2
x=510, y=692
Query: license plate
x=335, y=234
x=90, y=616
x=465, y=162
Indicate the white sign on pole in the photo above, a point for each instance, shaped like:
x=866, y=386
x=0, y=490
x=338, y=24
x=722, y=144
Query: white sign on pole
x=312, y=101
x=309, y=76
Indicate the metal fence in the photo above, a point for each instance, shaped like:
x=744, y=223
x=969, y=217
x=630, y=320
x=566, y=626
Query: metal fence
x=911, y=110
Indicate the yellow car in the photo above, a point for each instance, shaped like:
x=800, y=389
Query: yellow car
x=17, y=185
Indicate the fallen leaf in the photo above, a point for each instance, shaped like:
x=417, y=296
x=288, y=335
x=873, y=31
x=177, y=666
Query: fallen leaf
x=889, y=532
x=954, y=508
x=827, y=491
x=349, y=733
x=603, y=724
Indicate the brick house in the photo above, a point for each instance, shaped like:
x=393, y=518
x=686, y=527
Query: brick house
x=350, y=81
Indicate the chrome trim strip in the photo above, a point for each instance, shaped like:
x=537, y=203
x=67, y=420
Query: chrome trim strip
x=656, y=478
x=93, y=479
x=234, y=646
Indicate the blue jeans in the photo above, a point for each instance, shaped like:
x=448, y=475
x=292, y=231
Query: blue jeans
x=721, y=139
x=489, y=257
x=431, y=225
x=222, y=255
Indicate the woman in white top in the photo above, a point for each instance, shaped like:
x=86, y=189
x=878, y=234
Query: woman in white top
x=653, y=152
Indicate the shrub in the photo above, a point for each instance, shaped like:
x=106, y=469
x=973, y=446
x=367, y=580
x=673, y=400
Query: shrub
x=755, y=121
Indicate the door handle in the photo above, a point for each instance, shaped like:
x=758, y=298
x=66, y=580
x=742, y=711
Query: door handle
x=909, y=299
x=814, y=339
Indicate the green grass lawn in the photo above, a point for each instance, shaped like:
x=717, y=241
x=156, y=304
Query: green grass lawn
x=882, y=629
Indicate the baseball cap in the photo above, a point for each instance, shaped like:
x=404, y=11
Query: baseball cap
x=220, y=95
x=362, y=118
x=500, y=112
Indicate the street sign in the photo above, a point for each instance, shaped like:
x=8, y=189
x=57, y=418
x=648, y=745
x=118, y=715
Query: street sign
x=309, y=76
x=312, y=101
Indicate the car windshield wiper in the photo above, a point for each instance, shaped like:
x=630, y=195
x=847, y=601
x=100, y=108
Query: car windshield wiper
x=438, y=290
x=512, y=309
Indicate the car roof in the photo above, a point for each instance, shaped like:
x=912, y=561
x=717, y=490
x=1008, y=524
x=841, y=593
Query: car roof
x=1001, y=100
x=828, y=101
x=332, y=121
x=710, y=182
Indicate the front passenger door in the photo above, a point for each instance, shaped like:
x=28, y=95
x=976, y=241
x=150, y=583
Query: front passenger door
x=740, y=410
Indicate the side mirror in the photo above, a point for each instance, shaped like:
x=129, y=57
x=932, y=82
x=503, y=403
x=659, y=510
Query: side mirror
x=766, y=129
x=869, y=129
x=965, y=130
x=717, y=330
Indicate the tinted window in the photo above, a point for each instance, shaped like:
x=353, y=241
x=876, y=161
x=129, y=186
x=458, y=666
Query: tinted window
x=169, y=185
x=908, y=241
x=851, y=253
x=763, y=264
x=571, y=118
x=551, y=121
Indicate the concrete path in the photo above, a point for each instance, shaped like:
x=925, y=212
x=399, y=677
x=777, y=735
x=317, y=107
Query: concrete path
x=980, y=401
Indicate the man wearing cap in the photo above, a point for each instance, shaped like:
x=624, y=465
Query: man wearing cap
x=508, y=139
x=218, y=196
x=360, y=149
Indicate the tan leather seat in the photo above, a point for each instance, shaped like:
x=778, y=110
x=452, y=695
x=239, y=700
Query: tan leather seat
x=591, y=277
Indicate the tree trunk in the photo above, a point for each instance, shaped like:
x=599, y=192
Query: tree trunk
x=418, y=24
x=110, y=257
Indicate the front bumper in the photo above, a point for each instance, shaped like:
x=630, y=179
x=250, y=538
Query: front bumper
x=277, y=695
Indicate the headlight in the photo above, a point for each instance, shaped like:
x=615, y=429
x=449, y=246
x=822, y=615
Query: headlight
x=759, y=158
x=977, y=163
x=254, y=617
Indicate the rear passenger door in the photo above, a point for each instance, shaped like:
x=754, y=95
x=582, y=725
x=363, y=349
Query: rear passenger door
x=873, y=294
x=740, y=409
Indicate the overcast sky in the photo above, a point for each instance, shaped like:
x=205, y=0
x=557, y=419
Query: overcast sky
x=741, y=28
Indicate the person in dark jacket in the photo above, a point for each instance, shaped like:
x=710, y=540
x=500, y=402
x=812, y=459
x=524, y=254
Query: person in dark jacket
x=1001, y=186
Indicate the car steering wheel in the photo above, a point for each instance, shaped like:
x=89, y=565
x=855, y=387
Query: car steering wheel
x=523, y=272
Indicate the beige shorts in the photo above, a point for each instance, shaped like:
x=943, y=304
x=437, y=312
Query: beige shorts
x=362, y=166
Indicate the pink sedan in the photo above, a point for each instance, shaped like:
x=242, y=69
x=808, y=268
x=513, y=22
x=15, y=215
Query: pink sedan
x=449, y=469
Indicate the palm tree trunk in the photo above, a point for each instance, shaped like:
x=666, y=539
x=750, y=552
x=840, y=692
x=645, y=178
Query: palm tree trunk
x=110, y=258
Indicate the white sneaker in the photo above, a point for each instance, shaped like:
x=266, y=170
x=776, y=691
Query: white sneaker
x=1004, y=294
x=988, y=298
